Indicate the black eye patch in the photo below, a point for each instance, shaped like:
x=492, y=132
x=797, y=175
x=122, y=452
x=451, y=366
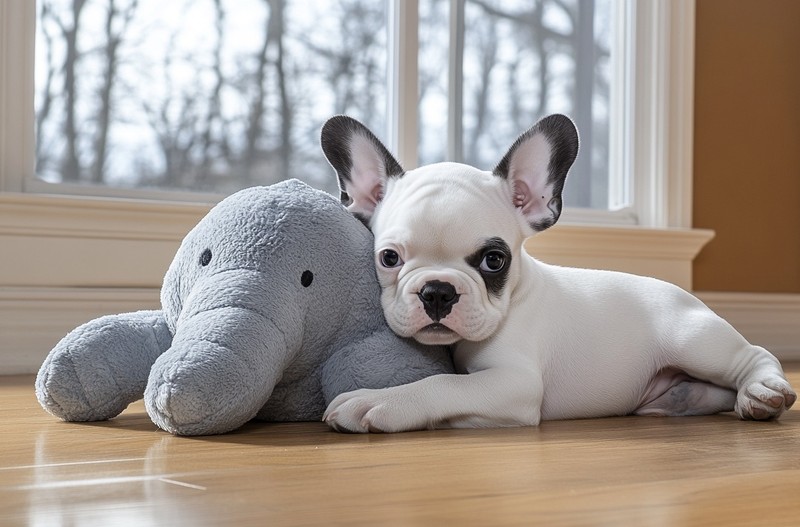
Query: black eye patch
x=495, y=281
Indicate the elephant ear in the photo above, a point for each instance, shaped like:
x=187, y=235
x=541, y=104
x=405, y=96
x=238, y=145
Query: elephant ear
x=537, y=165
x=362, y=163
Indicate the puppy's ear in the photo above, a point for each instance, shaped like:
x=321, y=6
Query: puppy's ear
x=361, y=162
x=537, y=165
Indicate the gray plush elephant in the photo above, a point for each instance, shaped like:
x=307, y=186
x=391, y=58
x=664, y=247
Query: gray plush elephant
x=271, y=308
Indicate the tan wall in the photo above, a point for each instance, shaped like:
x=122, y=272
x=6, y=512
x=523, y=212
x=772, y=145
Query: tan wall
x=747, y=145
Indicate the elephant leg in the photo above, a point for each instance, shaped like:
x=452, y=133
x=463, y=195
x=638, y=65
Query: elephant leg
x=101, y=367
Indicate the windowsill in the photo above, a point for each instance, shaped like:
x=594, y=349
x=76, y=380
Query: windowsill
x=49, y=215
x=64, y=241
x=662, y=253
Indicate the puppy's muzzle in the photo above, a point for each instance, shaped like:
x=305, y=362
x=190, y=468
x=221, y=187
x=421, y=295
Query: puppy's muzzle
x=438, y=299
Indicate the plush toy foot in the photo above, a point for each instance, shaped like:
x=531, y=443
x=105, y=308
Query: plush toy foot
x=101, y=367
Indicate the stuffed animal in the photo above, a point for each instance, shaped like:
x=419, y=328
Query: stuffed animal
x=270, y=309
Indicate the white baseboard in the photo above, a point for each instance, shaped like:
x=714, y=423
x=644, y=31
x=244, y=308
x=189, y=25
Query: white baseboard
x=33, y=320
x=768, y=320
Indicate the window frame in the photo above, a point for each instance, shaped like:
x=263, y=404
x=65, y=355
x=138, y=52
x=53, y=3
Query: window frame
x=16, y=80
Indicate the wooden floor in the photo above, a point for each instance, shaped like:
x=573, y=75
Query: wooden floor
x=622, y=471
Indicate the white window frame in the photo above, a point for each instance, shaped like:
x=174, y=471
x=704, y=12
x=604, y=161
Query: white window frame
x=66, y=258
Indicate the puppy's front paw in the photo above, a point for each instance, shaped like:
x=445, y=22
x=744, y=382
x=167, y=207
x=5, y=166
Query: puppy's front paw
x=365, y=410
x=765, y=399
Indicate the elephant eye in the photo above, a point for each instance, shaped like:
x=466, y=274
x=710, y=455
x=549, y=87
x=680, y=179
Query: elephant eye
x=306, y=278
x=205, y=258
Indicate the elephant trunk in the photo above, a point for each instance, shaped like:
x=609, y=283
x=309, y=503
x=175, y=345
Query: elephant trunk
x=225, y=360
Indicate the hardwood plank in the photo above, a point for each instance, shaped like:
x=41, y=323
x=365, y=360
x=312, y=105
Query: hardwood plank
x=713, y=470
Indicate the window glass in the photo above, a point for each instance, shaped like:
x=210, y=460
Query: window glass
x=522, y=60
x=206, y=95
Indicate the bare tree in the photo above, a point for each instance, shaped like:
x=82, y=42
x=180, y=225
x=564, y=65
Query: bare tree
x=481, y=93
x=531, y=24
x=350, y=67
x=46, y=93
x=214, y=139
x=70, y=165
x=114, y=33
x=519, y=120
x=275, y=32
x=255, y=118
x=572, y=39
x=175, y=129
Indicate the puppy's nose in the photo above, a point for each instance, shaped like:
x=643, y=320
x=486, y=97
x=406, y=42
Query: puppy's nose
x=438, y=298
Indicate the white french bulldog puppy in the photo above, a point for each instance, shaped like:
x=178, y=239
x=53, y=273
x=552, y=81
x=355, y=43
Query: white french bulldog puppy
x=531, y=341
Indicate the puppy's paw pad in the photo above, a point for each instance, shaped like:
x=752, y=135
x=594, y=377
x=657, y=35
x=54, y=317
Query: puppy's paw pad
x=759, y=413
x=766, y=399
x=782, y=391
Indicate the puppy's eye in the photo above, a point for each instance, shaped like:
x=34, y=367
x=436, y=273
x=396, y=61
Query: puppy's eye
x=205, y=257
x=493, y=262
x=389, y=258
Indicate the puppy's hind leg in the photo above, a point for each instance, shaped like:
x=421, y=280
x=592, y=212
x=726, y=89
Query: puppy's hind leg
x=673, y=393
x=708, y=348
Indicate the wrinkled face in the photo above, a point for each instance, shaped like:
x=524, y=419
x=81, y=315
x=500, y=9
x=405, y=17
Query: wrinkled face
x=447, y=251
x=448, y=236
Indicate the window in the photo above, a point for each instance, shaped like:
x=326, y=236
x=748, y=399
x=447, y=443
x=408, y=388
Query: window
x=128, y=95
x=128, y=99
x=510, y=64
x=210, y=95
x=216, y=95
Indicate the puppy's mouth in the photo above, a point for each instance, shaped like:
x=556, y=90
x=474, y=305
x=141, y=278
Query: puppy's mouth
x=436, y=333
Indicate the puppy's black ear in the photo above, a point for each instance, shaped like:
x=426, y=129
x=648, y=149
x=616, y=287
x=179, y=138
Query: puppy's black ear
x=537, y=165
x=361, y=162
